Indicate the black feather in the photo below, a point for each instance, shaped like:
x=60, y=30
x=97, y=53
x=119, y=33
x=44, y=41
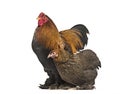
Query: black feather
x=83, y=31
x=47, y=64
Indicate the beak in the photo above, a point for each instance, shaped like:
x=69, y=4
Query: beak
x=38, y=18
x=49, y=56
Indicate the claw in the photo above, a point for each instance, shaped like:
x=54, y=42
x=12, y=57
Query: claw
x=43, y=86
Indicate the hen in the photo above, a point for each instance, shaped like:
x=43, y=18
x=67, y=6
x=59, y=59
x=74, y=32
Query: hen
x=79, y=69
x=47, y=38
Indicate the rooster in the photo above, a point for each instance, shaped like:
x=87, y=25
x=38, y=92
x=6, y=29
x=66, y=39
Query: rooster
x=79, y=69
x=47, y=38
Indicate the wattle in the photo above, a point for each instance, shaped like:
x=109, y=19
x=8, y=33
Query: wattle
x=40, y=22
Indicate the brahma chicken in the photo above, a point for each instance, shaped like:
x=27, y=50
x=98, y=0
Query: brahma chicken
x=47, y=38
x=79, y=69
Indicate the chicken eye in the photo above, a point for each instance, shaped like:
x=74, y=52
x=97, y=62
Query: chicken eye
x=53, y=53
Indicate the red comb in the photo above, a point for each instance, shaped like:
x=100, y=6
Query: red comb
x=41, y=14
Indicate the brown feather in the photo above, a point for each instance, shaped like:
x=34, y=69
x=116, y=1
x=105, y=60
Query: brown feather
x=48, y=36
x=79, y=69
x=72, y=39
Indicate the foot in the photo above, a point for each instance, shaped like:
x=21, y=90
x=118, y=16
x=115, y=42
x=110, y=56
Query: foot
x=43, y=86
x=66, y=86
x=85, y=87
x=48, y=82
x=54, y=86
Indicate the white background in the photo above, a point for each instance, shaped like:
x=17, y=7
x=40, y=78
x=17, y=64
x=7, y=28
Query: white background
x=20, y=70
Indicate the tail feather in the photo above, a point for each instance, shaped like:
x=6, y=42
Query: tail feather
x=92, y=59
x=75, y=38
x=83, y=33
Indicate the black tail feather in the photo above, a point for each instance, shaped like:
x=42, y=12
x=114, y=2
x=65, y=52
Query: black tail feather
x=83, y=31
